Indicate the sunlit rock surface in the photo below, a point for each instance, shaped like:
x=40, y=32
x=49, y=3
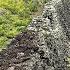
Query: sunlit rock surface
x=44, y=45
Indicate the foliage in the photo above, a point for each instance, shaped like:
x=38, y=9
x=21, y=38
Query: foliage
x=15, y=15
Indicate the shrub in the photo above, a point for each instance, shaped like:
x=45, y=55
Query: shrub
x=15, y=15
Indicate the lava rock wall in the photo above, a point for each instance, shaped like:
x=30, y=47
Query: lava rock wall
x=63, y=10
x=44, y=45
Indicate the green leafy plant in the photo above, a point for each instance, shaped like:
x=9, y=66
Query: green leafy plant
x=15, y=15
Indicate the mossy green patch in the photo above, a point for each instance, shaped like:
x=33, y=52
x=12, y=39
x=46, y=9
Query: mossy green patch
x=15, y=15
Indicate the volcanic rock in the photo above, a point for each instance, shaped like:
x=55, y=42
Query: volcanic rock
x=44, y=45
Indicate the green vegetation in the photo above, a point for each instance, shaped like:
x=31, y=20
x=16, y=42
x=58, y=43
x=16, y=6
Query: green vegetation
x=15, y=15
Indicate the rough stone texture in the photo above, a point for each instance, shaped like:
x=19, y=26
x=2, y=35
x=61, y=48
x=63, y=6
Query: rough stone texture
x=44, y=45
x=63, y=11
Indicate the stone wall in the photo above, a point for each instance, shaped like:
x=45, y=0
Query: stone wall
x=44, y=45
x=63, y=10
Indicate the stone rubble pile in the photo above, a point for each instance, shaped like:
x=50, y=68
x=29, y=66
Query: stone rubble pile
x=44, y=45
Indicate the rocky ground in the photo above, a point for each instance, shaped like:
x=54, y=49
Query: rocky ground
x=44, y=45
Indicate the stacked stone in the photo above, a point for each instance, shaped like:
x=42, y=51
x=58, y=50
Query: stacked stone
x=42, y=46
x=52, y=35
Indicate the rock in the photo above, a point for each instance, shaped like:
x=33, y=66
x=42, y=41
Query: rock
x=44, y=45
x=63, y=12
x=10, y=68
